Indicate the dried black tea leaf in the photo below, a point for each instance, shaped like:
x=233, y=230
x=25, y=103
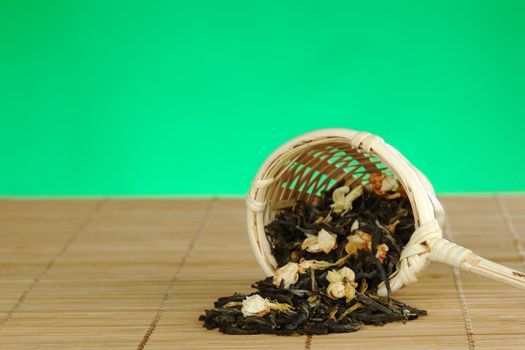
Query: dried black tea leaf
x=331, y=258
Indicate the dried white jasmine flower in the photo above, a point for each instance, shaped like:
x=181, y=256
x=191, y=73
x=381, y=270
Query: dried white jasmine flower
x=347, y=273
x=380, y=184
x=304, y=264
x=288, y=273
x=323, y=242
x=359, y=240
x=342, y=200
x=334, y=276
x=255, y=305
x=389, y=183
x=335, y=290
x=382, y=250
x=342, y=284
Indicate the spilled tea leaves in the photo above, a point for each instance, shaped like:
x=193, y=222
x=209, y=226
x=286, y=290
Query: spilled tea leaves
x=331, y=257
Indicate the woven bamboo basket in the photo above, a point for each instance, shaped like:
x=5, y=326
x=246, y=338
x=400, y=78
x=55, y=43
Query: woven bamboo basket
x=314, y=162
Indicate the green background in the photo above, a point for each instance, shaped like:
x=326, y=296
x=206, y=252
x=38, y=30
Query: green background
x=189, y=97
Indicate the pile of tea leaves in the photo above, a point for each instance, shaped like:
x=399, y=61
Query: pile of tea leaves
x=332, y=256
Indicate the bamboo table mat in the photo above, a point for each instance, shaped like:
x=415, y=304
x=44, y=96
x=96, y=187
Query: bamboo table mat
x=137, y=273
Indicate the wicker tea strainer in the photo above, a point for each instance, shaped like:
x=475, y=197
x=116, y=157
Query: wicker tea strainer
x=311, y=163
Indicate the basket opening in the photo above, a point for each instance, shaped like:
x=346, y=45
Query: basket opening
x=308, y=169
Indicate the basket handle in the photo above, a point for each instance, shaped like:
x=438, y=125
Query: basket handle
x=454, y=255
x=492, y=270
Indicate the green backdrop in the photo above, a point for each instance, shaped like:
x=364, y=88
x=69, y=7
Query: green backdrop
x=189, y=97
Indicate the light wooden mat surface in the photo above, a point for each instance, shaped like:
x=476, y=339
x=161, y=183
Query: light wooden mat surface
x=136, y=274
